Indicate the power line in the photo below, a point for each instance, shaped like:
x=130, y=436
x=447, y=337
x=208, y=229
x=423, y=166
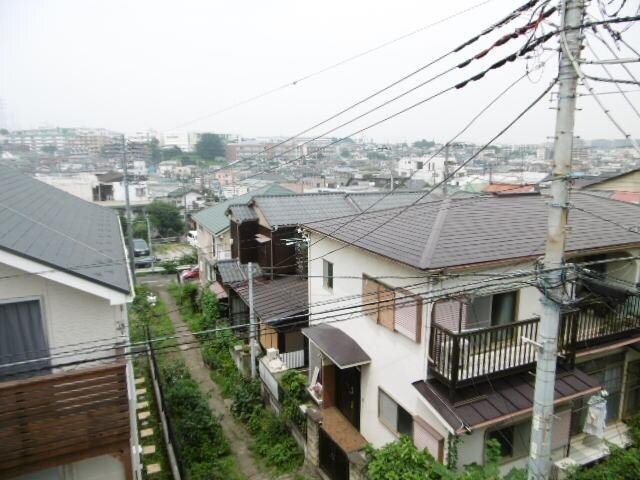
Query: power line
x=493, y=139
x=334, y=65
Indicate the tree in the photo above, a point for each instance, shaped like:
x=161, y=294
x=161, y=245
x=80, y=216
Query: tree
x=4, y=131
x=165, y=218
x=49, y=149
x=156, y=153
x=210, y=146
x=171, y=152
x=345, y=153
x=424, y=143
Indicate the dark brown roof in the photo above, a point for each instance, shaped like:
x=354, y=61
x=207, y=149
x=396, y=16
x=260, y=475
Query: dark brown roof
x=277, y=301
x=110, y=177
x=465, y=231
x=337, y=345
x=488, y=403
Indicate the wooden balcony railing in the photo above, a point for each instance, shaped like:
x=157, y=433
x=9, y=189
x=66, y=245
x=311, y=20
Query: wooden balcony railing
x=460, y=358
x=51, y=420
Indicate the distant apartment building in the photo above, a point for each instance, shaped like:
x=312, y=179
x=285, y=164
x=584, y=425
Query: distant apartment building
x=70, y=140
x=185, y=141
x=260, y=149
x=430, y=170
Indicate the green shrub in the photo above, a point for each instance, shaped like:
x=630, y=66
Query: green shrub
x=273, y=442
x=198, y=433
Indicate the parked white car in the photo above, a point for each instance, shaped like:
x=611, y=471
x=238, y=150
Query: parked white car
x=192, y=238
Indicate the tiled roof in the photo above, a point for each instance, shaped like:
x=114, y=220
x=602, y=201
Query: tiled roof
x=232, y=271
x=242, y=213
x=465, y=231
x=278, y=299
x=311, y=207
x=47, y=225
x=215, y=219
x=487, y=403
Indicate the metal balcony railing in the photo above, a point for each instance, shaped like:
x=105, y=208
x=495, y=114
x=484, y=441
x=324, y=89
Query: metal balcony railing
x=461, y=358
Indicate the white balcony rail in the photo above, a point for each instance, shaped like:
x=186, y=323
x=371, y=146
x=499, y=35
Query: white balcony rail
x=293, y=359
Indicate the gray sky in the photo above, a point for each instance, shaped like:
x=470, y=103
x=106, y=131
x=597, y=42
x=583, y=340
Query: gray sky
x=139, y=64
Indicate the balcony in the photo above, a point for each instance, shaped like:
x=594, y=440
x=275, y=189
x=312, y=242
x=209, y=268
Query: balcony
x=55, y=419
x=460, y=358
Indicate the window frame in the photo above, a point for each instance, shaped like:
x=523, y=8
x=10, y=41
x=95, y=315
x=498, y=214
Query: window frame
x=394, y=429
x=327, y=279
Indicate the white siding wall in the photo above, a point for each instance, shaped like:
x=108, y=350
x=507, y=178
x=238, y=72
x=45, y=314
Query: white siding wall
x=396, y=361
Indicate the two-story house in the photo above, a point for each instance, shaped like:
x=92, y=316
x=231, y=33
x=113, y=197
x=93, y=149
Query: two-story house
x=214, y=234
x=423, y=322
x=67, y=395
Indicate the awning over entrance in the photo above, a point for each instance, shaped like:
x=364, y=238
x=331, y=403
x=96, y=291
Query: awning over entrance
x=486, y=404
x=337, y=345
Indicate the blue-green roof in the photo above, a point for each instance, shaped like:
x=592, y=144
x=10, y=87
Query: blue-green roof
x=214, y=218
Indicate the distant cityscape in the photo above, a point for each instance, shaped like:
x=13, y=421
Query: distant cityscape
x=89, y=164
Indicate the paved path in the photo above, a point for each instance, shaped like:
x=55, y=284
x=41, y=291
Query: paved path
x=238, y=437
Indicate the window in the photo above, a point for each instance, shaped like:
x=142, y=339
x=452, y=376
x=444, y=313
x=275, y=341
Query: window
x=140, y=192
x=22, y=336
x=514, y=440
x=503, y=308
x=394, y=308
x=393, y=416
x=327, y=274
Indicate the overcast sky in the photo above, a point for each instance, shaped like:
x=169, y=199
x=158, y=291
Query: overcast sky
x=150, y=64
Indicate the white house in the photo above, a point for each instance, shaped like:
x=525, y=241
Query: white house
x=417, y=321
x=64, y=290
x=430, y=170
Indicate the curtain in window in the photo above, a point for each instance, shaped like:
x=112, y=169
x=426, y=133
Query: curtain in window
x=22, y=337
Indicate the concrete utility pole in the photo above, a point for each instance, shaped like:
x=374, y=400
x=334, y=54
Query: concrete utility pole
x=252, y=322
x=125, y=169
x=153, y=261
x=542, y=422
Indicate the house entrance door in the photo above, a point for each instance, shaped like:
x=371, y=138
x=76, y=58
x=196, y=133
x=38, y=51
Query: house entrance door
x=348, y=394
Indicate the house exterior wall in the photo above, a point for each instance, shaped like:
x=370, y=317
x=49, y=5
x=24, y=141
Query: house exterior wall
x=625, y=183
x=71, y=316
x=397, y=361
x=74, y=317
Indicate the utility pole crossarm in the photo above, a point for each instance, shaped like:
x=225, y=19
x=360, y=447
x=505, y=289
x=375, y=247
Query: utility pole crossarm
x=552, y=280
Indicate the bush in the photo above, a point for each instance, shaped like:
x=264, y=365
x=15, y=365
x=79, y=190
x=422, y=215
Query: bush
x=198, y=433
x=273, y=442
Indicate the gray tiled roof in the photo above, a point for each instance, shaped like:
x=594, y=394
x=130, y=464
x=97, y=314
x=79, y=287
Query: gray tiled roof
x=52, y=227
x=215, y=219
x=232, y=271
x=464, y=231
x=242, y=213
x=312, y=207
x=277, y=299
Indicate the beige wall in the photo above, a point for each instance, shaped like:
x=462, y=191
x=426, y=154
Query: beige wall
x=625, y=183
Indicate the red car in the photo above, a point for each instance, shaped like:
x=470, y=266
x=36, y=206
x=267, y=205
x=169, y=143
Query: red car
x=192, y=274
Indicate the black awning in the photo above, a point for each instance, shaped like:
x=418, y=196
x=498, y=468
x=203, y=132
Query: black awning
x=337, y=345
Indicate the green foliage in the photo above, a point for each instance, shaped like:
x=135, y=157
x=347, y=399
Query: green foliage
x=140, y=230
x=424, y=143
x=165, y=218
x=273, y=442
x=345, y=153
x=210, y=146
x=198, y=433
x=171, y=152
x=210, y=309
x=401, y=460
x=294, y=386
